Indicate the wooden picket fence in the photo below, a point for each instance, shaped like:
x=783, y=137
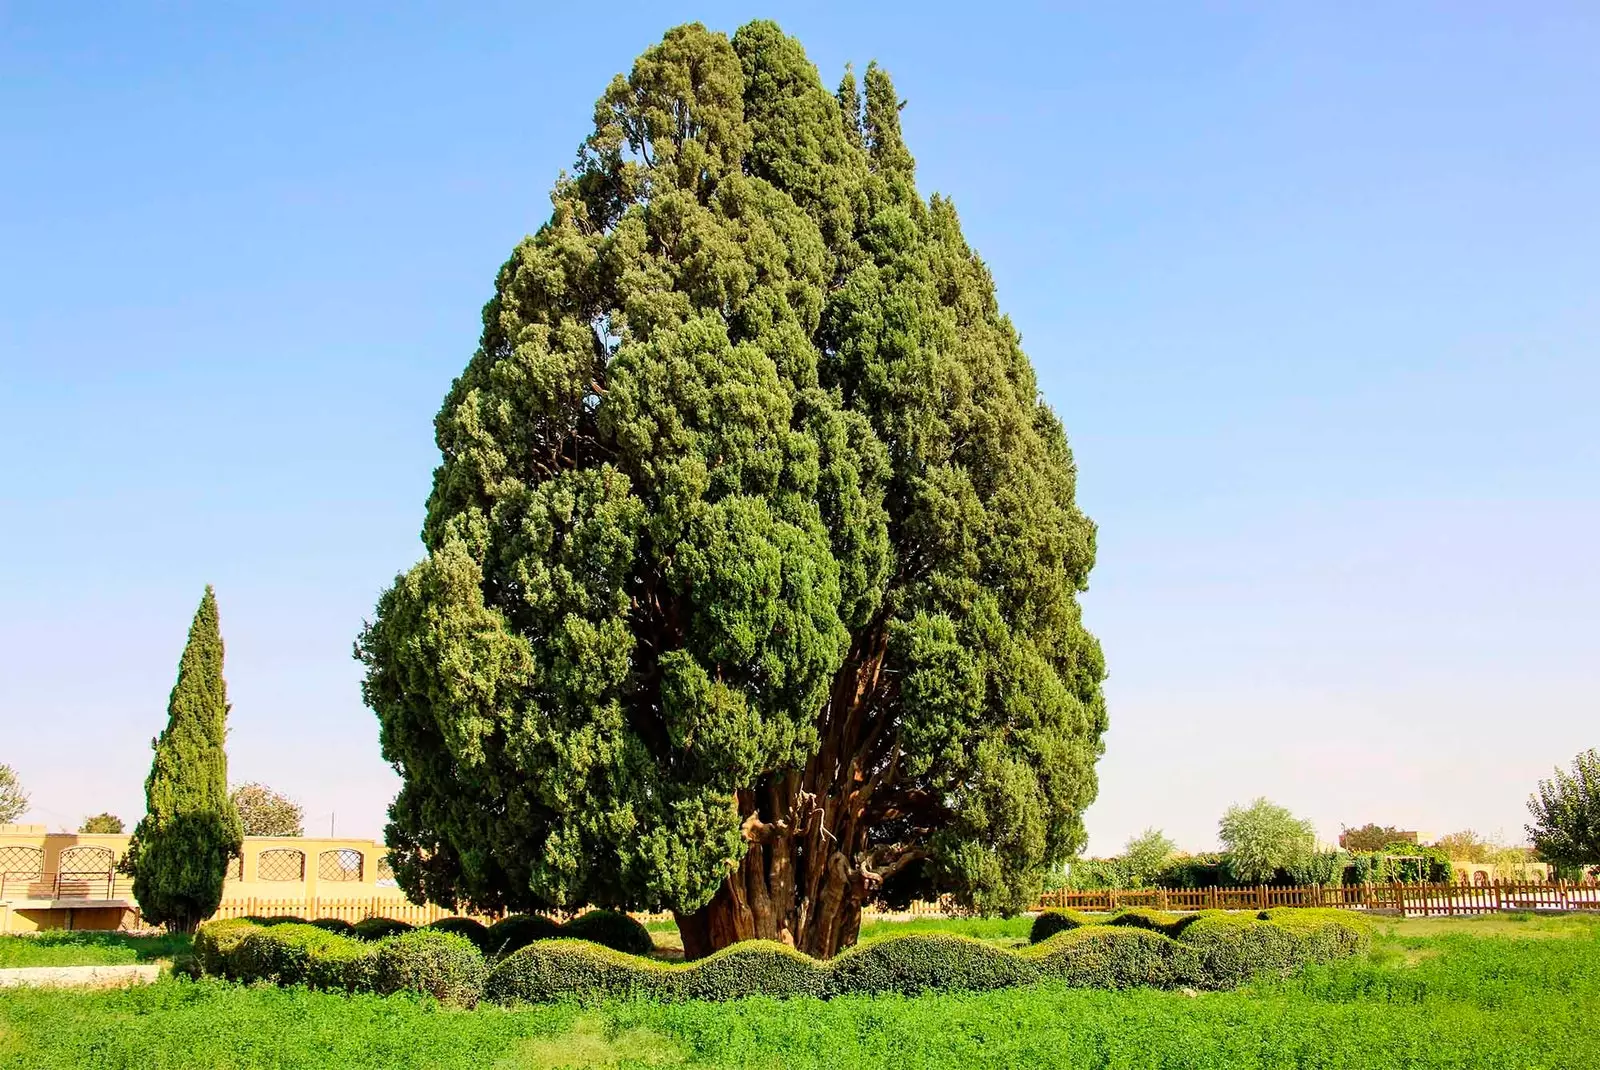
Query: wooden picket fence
x=345, y=909
x=1411, y=899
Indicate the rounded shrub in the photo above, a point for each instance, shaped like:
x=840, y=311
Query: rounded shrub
x=443, y=965
x=335, y=925
x=516, y=931
x=280, y=919
x=1050, y=922
x=926, y=962
x=301, y=955
x=472, y=929
x=548, y=970
x=752, y=968
x=1156, y=921
x=1325, y=934
x=610, y=929
x=1233, y=948
x=1121, y=956
x=379, y=928
x=214, y=943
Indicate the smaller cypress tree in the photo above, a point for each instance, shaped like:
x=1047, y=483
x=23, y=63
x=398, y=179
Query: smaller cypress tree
x=180, y=849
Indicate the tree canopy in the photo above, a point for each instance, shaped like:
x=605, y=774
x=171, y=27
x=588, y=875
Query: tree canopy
x=13, y=799
x=1262, y=838
x=1566, y=814
x=180, y=849
x=1374, y=837
x=103, y=822
x=752, y=558
x=264, y=812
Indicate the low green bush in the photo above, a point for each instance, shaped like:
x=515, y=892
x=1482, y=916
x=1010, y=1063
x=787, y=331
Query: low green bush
x=516, y=931
x=378, y=928
x=548, y=970
x=472, y=929
x=1050, y=922
x=1121, y=956
x=610, y=929
x=926, y=962
x=444, y=965
x=1234, y=948
x=1156, y=921
x=335, y=925
x=215, y=940
x=302, y=955
x=752, y=968
x=1326, y=934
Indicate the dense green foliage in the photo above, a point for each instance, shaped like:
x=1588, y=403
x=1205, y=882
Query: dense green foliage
x=1145, y=856
x=471, y=928
x=1136, y=948
x=13, y=799
x=378, y=928
x=1432, y=997
x=1373, y=837
x=610, y=929
x=1049, y=922
x=105, y=822
x=1566, y=814
x=747, y=504
x=264, y=812
x=1263, y=838
x=516, y=931
x=448, y=967
x=180, y=849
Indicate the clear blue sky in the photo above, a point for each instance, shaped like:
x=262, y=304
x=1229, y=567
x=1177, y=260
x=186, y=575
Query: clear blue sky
x=1316, y=290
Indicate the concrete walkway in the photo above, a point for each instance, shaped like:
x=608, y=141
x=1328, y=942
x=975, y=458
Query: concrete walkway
x=79, y=976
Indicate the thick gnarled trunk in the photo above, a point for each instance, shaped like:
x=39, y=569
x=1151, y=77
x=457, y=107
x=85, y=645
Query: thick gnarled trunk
x=811, y=864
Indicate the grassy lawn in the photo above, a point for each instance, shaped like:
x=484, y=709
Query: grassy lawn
x=55, y=948
x=1498, y=992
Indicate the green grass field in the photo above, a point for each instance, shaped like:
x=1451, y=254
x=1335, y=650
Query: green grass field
x=1509, y=992
x=87, y=949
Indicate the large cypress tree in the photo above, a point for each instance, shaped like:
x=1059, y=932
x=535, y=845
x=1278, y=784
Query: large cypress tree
x=753, y=558
x=180, y=849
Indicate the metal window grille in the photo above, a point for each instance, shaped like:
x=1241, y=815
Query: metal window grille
x=86, y=860
x=281, y=864
x=22, y=861
x=385, y=872
x=343, y=864
x=235, y=869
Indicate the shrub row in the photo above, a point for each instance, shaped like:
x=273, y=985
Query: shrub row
x=1136, y=949
x=440, y=964
x=605, y=927
x=1213, y=950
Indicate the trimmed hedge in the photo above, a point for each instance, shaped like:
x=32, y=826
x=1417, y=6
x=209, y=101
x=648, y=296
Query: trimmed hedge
x=1210, y=950
x=1125, y=956
x=378, y=928
x=1050, y=922
x=927, y=962
x=753, y=968
x=604, y=927
x=214, y=943
x=444, y=965
x=302, y=955
x=516, y=931
x=473, y=930
x=548, y=970
x=610, y=929
x=335, y=925
x=1156, y=921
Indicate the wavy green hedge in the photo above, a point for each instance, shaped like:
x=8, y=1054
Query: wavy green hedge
x=1133, y=949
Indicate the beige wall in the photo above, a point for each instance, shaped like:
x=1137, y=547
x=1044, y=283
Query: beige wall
x=31, y=897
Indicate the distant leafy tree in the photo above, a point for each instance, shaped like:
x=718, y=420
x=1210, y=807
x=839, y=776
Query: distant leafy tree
x=1145, y=856
x=1466, y=846
x=13, y=800
x=1263, y=838
x=1371, y=837
x=265, y=812
x=1566, y=814
x=180, y=849
x=107, y=822
x=753, y=554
